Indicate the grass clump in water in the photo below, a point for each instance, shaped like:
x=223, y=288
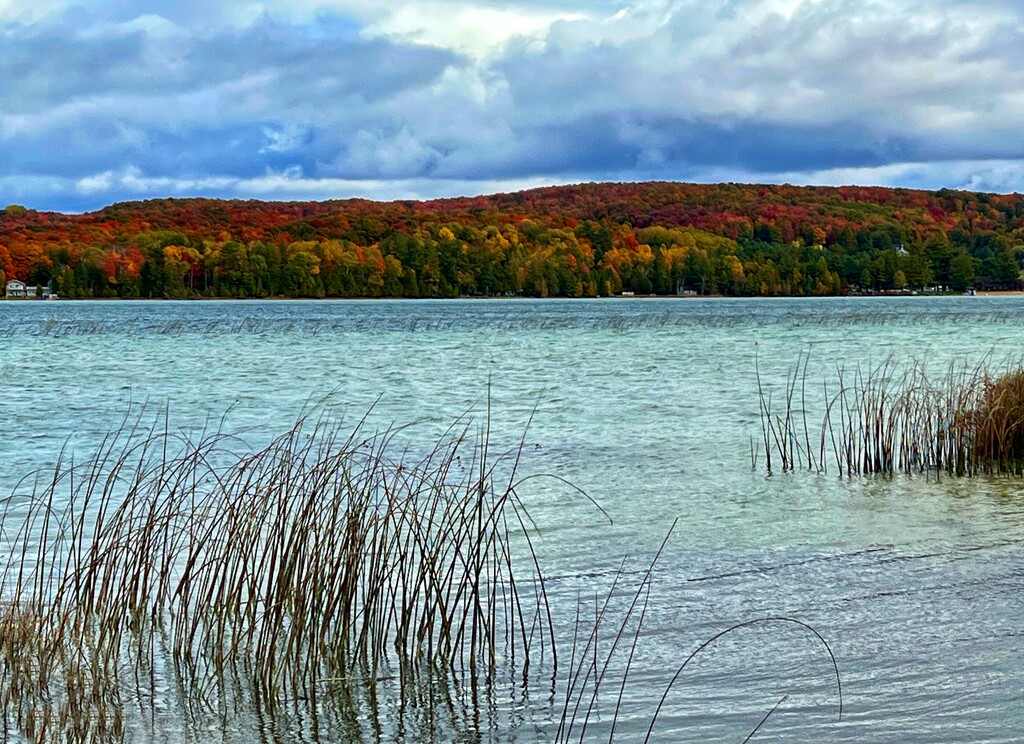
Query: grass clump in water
x=897, y=418
x=999, y=423
x=196, y=574
x=332, y=585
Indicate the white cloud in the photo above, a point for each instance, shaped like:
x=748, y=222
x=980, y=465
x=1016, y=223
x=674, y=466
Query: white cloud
x=1001, y=176
x=998, y=176
x=290, y=183
x=19, y=11
x=392, y=156
x=286, y=139
x=98, y=183
x=470, y=28
x=153, y=26
x=133, y=181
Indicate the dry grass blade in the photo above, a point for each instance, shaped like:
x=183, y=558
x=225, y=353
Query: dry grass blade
x=728, y=631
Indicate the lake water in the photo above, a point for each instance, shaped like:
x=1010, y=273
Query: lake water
x=651, y=407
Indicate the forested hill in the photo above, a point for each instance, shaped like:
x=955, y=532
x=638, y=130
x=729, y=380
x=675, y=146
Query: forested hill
x=585, y=240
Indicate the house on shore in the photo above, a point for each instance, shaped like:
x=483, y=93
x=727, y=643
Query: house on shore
x=16, y=290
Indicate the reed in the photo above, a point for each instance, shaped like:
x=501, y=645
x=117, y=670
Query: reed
x=335, y=577
x=897, y=418
x=998, y=423
x=603, y=654
x=325, y=563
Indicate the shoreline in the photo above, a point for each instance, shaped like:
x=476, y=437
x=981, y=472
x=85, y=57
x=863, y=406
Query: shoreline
x=284, y=298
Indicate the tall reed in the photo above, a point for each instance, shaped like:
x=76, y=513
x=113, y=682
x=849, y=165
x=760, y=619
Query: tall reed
x=194, y=576
x=321, y=562
x=616, y=630
x=897, y=418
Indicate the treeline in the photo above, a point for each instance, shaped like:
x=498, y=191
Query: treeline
x=574, y=241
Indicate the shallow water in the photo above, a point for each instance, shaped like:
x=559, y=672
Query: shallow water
x=651, y=407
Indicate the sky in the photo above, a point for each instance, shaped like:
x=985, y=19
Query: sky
x=113, y=100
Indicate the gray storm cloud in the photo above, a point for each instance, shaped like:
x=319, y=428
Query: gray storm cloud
x=112, y=101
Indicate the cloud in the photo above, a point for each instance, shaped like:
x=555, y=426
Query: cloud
x=898, y=76
x=180, y=105
x=111, y=99
x=290, y=184
x=48, y=71
x=1000, y=176
x=17, y=11
x=476, y=30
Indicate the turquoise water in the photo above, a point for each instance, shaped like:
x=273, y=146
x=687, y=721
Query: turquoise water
x=650, y=406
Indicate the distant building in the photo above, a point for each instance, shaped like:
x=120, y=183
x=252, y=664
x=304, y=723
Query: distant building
x=20, y=290
x=17, y=289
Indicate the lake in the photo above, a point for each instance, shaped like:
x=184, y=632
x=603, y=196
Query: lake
x=651, y=407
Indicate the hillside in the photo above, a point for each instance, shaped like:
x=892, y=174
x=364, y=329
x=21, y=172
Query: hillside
x=583, y=240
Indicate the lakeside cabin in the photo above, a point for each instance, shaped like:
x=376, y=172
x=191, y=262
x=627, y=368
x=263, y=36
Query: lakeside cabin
x=16, y=290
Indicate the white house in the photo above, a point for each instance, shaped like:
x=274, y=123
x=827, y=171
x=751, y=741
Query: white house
x=16, y=289
x=20, y=290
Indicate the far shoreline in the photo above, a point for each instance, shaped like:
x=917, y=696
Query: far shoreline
x=475, y=298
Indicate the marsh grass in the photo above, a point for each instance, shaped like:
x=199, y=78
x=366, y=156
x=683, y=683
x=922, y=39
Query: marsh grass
x=326, y=564
x=898, y=418
x=998, y=423
x=336, y=583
